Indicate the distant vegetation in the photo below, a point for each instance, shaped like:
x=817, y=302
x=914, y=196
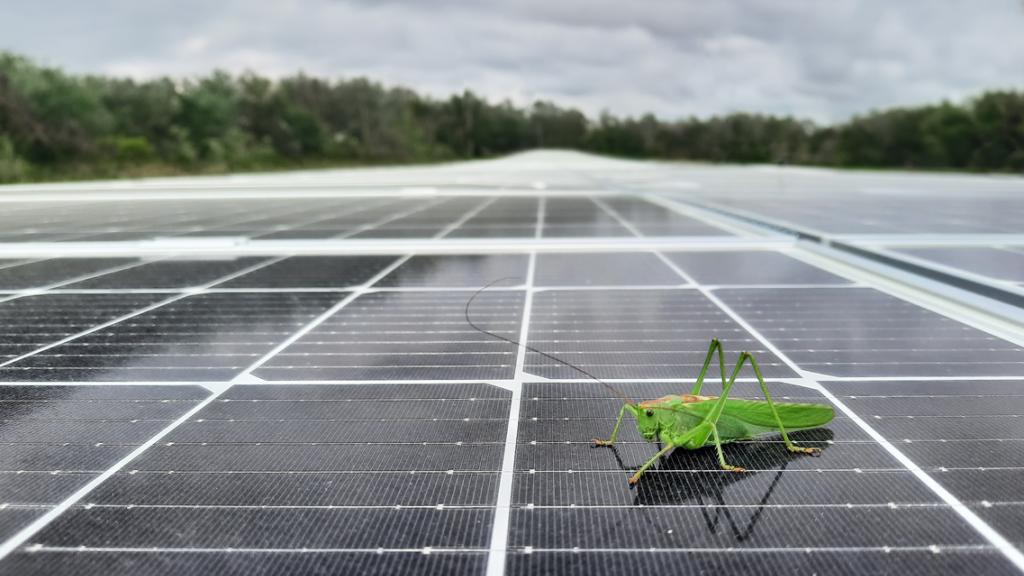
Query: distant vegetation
x=54, y=125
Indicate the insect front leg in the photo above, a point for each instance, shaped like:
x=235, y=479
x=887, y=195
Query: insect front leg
x=636, y=477
x=615, y=431
x=771, y=405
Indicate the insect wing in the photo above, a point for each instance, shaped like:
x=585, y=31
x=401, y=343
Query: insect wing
x=793, y=415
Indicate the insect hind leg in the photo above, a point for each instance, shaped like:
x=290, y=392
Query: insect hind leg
x=721, y=455
x=710, y=422
x=716, y=344
x=771, y=405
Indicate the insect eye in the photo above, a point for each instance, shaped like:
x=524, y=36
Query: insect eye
x=650, y=412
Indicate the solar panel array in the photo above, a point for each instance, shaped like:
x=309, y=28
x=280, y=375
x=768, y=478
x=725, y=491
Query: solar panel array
x=297, y=373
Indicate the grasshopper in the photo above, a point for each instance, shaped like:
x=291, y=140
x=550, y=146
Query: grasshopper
x=692, y=421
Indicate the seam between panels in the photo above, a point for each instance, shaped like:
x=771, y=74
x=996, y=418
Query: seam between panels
x=995, y=539
x=501, y=523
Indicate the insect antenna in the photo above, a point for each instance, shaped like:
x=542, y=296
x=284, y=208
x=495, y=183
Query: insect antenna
x=469, y=320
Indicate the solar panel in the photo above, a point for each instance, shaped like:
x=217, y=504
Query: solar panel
x=299, y=373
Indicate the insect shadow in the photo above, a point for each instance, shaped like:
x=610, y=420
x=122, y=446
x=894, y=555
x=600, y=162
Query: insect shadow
x=704, y=485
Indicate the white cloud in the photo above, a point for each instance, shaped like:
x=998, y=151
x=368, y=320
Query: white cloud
x=826, y=60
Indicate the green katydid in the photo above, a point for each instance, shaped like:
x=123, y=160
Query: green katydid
x=692, y=421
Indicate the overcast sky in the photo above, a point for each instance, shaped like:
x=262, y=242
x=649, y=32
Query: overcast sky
x=823, y=59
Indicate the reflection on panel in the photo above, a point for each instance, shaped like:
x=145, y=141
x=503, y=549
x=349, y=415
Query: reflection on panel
x=633, y=334
x=407, y=336
x=205, y=337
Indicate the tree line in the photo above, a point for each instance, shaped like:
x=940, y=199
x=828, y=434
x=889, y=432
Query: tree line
x=58, y=125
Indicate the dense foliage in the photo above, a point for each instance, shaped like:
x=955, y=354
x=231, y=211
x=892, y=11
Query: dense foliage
x=55, y=125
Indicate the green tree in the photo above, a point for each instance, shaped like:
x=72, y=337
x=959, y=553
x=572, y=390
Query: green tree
x=12, y=167
x=52, y=123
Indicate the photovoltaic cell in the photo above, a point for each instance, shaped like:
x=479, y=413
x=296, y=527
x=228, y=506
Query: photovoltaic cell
x=407, y=336
x=47, y=272
x=750, y=267
x=249, y=562
x=31, y=322
x=566, y=217
x=313, y=272
x=205, y=337
x=337, y=498
x=493, y=231
x=504, y=218
x=965, y=433
x=169, y=274
x=402, y=232
x=55, y=439
x=473, y=271
x=609, y=269
x=863, y=332
x=994, y=262
x=8, y=262
x=633, y=334
x=789, y=561
x=653, y=220
x=427, y=222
